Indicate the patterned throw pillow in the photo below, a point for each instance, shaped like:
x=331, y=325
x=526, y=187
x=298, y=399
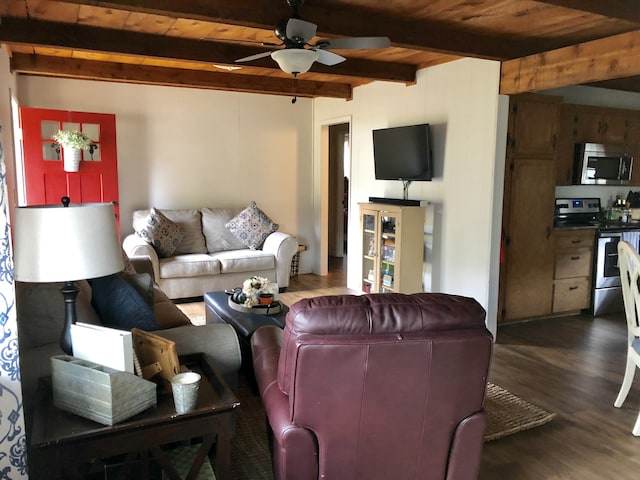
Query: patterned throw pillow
x=161, y=233
x=251, y=226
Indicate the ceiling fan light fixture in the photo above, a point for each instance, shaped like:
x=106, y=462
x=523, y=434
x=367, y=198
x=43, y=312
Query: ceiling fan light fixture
x=295, y=60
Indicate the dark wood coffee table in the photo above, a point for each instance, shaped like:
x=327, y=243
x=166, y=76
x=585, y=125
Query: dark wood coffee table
x=62, y=442
x=219, y=311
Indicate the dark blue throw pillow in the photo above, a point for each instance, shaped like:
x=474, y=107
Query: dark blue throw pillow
x=120, y=306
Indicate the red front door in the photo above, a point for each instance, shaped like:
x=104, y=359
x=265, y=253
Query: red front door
x=46, y=182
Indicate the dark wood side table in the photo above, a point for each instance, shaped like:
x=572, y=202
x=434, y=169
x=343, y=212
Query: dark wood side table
x=61, y=442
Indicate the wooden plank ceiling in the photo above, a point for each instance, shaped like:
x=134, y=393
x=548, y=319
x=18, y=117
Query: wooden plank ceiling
x=194, y=43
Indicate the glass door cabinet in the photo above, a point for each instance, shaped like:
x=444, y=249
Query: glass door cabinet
x=392, y=248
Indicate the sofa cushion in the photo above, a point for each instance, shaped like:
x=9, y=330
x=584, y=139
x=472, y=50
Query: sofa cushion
x=252, y=226
x=193, y=265
x=40, y=311
x=162, y=233
x=189, y=220
x=238, y=261
x=215, y=232
x=119, y=305
x=167, y=314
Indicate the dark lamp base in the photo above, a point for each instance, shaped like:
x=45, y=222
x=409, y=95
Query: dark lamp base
x=69, y=293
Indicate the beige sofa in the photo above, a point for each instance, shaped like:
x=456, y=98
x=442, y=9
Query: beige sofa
x=209, y=257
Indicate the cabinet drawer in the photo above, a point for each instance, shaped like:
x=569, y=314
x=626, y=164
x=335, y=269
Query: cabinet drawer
x=571, y=294
x=575, y=239
x=573, y=263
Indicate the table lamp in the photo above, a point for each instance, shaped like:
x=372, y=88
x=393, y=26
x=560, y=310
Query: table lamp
x=65, y=243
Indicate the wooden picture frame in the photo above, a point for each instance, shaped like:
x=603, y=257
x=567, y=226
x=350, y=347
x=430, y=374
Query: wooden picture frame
x=157, y=357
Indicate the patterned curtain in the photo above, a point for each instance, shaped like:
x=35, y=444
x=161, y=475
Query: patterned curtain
x=13, y=454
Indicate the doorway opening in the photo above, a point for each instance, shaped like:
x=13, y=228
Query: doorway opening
x=338, y=196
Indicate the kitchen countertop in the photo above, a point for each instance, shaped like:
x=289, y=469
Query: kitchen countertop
x=604, y=225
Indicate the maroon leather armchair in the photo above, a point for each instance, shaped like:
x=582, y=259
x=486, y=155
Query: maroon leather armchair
x=381, y=386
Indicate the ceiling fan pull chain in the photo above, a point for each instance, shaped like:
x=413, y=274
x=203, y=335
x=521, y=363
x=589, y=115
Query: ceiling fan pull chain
x=295, y=88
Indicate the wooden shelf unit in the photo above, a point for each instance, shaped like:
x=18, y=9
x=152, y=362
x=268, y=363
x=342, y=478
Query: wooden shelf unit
x=392, y=248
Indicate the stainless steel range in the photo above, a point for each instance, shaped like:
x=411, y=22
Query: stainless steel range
x=586, y=212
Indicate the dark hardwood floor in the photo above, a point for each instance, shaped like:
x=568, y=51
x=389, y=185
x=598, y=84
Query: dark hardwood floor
x=572, y=366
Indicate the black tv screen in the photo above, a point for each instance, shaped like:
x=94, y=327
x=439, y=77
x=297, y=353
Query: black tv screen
x=403, y=153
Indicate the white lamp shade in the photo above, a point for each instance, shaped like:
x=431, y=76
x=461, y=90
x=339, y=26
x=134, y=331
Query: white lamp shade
x=295, y=60
x=53, y=243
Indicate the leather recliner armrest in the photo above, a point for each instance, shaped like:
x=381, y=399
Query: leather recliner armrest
x=298, y=459
x=464, y=457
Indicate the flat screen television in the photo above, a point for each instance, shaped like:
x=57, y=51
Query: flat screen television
x=403, y=153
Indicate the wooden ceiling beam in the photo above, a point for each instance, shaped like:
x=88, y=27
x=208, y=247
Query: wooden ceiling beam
x=622, y=9
x=87, y=38
x=176, y=77
x=443, y=37
x=263, y=14
x=608, y=58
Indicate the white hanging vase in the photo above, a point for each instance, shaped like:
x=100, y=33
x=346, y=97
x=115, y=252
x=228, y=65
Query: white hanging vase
x=71, y=159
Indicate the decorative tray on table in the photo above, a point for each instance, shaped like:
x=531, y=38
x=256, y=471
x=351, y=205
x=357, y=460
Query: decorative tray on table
x=262, y=309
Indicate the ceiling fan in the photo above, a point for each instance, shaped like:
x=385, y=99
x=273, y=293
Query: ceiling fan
x=298, y=54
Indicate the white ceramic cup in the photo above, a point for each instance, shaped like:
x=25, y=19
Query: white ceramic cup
x=185, y=388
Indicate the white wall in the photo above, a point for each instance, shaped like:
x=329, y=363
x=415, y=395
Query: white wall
x=181, y=147
x=468, y=121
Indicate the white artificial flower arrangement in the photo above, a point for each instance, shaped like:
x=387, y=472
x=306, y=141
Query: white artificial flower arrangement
x=253, y=287
x=72, y=139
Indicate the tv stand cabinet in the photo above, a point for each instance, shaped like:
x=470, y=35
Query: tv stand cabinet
x=392, y=247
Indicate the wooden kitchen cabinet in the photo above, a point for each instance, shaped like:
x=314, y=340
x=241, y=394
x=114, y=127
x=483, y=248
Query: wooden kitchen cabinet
x=526, y=274
x=392, y=248
x=633, y=140
x=533, y=122
x=529, y=245
x=567, y=132
x=590, y=124
x=601, y=125
x=572, y=271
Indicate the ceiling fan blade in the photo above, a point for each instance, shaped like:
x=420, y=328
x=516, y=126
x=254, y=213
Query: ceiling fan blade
x=355, y=43
x=300, y=29
x=328, y=58
x=253, y=57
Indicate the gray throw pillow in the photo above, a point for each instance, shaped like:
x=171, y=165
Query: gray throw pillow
x=252, y=226
x=163, y=234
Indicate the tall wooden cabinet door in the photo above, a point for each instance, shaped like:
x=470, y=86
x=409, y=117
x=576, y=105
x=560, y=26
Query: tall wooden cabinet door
x=46, y=182
x=535, y=125
x=633, y=139
x=530, y=254
x=566, y=145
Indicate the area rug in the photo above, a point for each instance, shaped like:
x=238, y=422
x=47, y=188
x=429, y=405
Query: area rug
x=250, y=454
x=508, y=414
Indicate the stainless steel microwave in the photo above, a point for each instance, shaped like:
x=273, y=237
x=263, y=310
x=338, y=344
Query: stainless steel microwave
x=598, y=164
